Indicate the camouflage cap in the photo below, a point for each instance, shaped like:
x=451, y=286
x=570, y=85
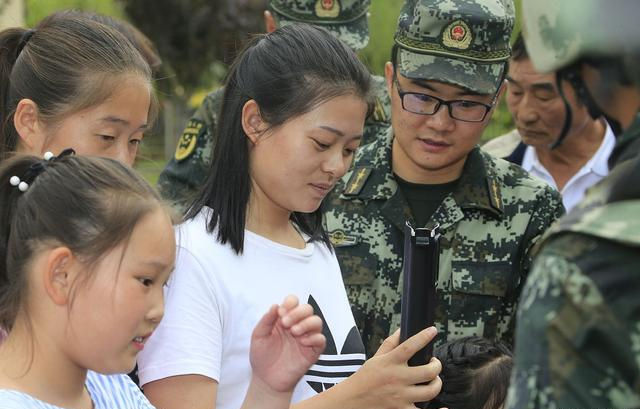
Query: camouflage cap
x=558, y=32
x=460, y=42
x=346, y=19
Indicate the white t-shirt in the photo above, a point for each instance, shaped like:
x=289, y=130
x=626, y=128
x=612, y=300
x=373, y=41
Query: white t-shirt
x=106, y=391
x=215, y=298
x=591, y=173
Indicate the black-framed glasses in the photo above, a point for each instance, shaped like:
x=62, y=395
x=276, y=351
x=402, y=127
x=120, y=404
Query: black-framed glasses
x=460, y=109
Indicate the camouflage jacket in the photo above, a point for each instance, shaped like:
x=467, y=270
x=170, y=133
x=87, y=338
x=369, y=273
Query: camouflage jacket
x=187, y=170
x=578, y=333
x=488, y=224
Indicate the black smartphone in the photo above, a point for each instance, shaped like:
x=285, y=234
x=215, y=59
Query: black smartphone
x=419, y=275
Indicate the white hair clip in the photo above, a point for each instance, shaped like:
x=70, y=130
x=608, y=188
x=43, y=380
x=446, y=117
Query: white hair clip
x=48, y=155
x=22, y=186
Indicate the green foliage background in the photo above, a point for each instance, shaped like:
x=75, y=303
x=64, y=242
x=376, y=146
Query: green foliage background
x=37, y=9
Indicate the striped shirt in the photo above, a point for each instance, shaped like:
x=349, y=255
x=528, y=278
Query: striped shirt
x=107, y=392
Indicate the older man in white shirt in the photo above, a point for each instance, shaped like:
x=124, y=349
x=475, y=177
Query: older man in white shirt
x=538, y=111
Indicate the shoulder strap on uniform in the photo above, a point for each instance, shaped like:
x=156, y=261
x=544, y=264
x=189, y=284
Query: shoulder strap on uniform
x=357, y=181
x=379, y=115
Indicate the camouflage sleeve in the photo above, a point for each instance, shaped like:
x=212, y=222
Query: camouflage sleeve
x=186, y=171
x=578, y=332
x=549, y=209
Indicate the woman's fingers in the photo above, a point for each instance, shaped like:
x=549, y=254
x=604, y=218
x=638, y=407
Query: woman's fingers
x=389, y=344
x=290, y=302
x=264, y=327
x=425, y=373
x=412, y=345
x=309, y=325
x=315, y=341
x=296, y=314
x=425, y=393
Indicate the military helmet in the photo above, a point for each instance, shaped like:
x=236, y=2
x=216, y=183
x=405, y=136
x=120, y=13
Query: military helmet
x=346, y=19
x=559, y=32
x=461, y=42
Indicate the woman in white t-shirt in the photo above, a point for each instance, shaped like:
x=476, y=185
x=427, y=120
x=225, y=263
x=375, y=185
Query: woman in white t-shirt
x=294, y=111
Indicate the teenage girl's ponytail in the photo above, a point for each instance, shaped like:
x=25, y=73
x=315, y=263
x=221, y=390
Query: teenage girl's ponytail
x=11, y=285
x=12, y=41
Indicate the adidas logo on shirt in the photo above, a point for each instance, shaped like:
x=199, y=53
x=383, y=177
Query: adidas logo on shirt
x=333, y=367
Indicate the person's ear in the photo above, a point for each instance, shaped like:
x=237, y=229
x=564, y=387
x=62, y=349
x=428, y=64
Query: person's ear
x=59, y=274
x=269, y=22
x=252, y=122
x=30, y=130
x=388, y=75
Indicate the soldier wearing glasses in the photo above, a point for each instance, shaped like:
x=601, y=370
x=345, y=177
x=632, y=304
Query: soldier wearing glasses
x=447, y=71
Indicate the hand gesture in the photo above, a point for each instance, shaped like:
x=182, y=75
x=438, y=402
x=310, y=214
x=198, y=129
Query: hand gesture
x=386, y=380
x=285, y=343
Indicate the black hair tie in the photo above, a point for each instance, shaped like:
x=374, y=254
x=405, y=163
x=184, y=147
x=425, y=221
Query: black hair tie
x=26, y=36
x=40, y=166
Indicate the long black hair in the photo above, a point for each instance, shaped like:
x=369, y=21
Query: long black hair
x=288, y=73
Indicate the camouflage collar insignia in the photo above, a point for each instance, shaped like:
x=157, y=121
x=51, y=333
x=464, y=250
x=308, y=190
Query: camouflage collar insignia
x=357, y=181
x=457, y=35
x=495, y=195
x=325, y=12
x=424, y=47
x=376, y=159
x=478, y=188
x=339, y=238
x=379, y=115
x=188, y=140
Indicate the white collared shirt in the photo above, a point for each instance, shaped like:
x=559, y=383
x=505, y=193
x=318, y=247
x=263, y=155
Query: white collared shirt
x=591, y=173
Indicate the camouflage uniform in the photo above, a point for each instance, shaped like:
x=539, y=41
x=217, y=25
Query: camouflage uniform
x=489, y=223
x=578, y=333
x=347, y=19
x=187, y=170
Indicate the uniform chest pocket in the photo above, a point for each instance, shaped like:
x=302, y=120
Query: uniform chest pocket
x=477, y=300
x=481, y=278
x=357, y=262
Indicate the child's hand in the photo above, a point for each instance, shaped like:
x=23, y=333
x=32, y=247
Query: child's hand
x=285, y=343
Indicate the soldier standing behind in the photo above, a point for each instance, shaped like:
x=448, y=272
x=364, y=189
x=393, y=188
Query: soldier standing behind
x=345, y=19
x=447, y=71
x=578, y=332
